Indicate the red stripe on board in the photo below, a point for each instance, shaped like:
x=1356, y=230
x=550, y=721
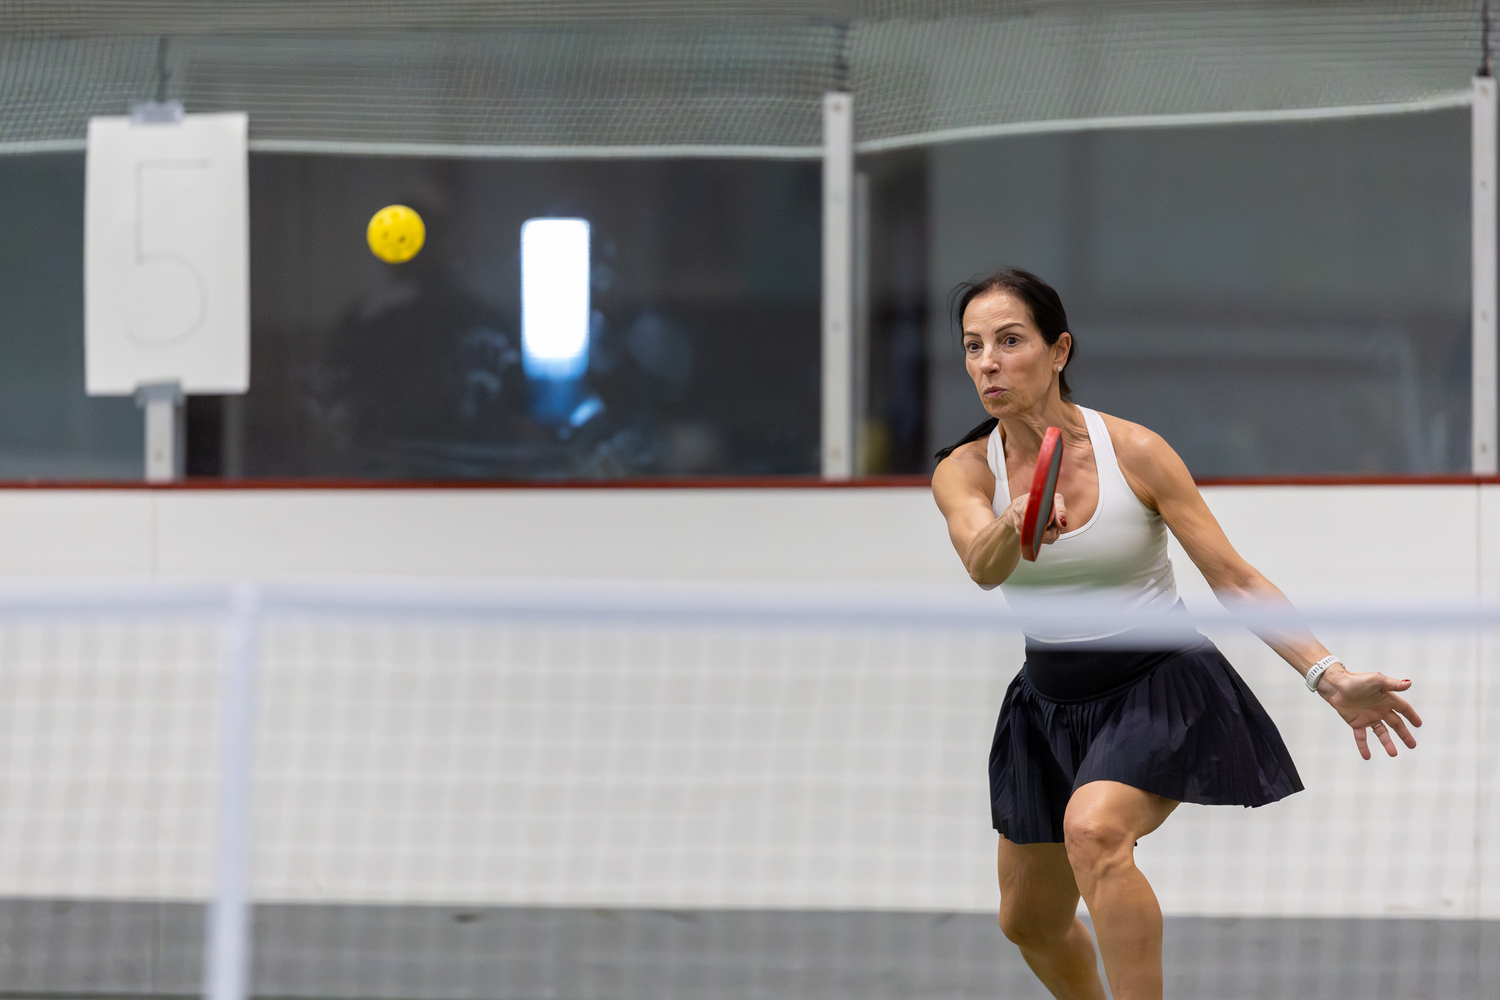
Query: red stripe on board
x=684, y=483
x=1352, y=479
x=703, y=483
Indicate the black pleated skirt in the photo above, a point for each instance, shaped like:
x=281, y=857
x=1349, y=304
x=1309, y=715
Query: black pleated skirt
x=1183, y=725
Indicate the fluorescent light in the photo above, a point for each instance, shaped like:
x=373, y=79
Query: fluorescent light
x=555, y=297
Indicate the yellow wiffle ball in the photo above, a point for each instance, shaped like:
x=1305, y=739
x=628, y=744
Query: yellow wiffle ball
x=396, y=233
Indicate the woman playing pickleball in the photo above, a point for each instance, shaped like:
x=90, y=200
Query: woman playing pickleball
x=1101, y=735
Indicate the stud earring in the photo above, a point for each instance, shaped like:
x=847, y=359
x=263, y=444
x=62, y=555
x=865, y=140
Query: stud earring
x=1059, y=367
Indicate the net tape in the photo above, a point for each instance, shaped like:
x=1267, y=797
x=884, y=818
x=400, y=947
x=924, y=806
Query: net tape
x=650, y=602
x=491, y=77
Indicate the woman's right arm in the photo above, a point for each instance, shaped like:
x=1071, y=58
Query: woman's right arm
x=989, y=546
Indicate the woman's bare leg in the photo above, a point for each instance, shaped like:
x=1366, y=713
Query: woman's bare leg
x=1102, y=824
x=1039, y=913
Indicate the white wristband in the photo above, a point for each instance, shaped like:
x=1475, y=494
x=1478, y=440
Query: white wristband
x=1318, y=670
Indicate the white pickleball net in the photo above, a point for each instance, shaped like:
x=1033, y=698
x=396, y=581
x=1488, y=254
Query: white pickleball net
x=589, y=790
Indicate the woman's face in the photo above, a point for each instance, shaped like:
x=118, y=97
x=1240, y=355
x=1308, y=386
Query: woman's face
x=1012, y=366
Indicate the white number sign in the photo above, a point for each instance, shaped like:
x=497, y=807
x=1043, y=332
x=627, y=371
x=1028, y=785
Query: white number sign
x=166, y=255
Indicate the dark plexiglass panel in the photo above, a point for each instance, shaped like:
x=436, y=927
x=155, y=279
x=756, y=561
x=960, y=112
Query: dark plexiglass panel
x=703, y=346
x=1273, y=299
x=49, y=430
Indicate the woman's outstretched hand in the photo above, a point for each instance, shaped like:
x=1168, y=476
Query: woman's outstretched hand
x=1015, y=514
x=1369, y=701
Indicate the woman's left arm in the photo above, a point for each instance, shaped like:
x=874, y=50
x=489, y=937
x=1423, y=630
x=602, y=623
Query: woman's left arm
x=1162, y=482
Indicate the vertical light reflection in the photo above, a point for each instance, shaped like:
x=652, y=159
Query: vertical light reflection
x=555, y=298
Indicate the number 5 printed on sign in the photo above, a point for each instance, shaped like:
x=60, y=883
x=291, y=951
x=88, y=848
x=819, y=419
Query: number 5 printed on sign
x=166, y=256
x=168, y=294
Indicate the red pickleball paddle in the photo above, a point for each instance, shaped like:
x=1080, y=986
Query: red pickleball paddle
x=1043, y=489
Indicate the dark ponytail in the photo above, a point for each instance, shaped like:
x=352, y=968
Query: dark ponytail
x=982, y=431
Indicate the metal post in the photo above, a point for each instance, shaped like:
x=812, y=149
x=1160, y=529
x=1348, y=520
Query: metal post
x=165, y=454
x=1485, y=279
x=838, y=286
x=227, y=959
x=232, y=439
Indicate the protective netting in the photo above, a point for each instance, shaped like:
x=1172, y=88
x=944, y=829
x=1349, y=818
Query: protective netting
x=542, y=87
x=712, y=76
x=610, y=792
x=916, y=82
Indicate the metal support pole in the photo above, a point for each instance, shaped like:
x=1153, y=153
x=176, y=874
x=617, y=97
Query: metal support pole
x=1486, y=281
x=838, y=286
x=165, y=454
x=227, y=959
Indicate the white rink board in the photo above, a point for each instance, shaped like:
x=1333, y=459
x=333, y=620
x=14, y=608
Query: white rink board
x=1350, y=546
x=167, y=255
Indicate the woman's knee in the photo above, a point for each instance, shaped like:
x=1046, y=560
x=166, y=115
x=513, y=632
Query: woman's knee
x=1033, y=927
x=1038, y=897
x=1097, y=841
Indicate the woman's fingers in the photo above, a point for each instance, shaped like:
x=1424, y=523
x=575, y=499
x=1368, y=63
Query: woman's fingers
x=1370, y=704
x=1395, y=701
x=1395, y=722
x=1375, y=690
x=1404, y=707
x=1059, y=520
x=1383, y=733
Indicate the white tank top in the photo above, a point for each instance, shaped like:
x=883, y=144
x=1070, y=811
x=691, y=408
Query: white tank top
x=1118, y=559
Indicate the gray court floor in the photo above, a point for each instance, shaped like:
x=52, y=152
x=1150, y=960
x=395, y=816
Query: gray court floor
x=120, y=950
